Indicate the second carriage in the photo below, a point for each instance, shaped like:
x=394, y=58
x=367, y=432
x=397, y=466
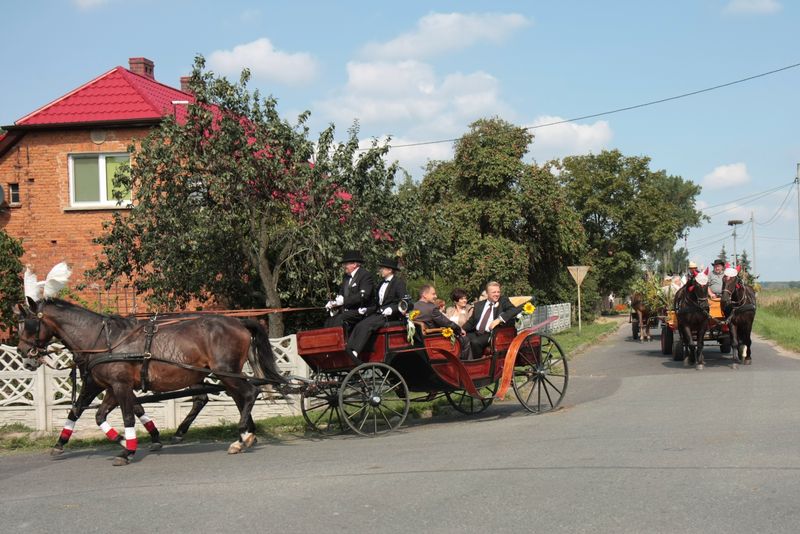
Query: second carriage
x=372, y=395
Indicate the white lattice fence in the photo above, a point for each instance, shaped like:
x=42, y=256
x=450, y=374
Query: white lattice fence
x=563, y=311
x=41, y=399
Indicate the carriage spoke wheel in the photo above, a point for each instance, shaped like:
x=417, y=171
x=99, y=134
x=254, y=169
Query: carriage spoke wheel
x=463, y=402
x=541, y=374
x=373, y=399
x=319, y=403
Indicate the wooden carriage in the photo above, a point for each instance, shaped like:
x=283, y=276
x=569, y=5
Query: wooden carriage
x=372, y=395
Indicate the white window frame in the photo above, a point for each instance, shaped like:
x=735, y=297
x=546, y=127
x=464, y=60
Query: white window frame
x=101, y=168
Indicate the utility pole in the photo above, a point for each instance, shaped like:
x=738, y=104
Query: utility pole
x=797, y=184
x=753, y=230
x=735, y=223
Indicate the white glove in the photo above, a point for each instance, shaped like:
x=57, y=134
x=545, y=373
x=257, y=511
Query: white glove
x=330, y=304
x=387, y=312
x=339, y=300
x=362, y=311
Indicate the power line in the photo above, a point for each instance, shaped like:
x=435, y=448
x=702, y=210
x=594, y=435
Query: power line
x=748, y=196
x=779, y=210
x=618, y=110
x=751, y=198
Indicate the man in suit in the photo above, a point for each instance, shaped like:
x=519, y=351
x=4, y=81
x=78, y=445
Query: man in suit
x=385, y=307
x=496, y=309
x=355, y=293
x=432, y=317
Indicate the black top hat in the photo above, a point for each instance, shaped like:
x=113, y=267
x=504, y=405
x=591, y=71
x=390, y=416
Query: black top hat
x=719, y=262
x=390, y=263
x=352, y=256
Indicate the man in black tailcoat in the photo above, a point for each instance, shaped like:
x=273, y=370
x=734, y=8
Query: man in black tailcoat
x=496, y=309
x=385, y=306
x=354, y=301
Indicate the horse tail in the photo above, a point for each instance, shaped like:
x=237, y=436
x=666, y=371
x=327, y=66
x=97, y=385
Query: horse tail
x=264, y=355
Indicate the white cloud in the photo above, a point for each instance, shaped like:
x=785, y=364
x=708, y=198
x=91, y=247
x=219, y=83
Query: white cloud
x=440, y=33
x=265, y=63
x=394, y=93
x=568, y=139
x=89, y=4
x=760, y=7
x=726, y=175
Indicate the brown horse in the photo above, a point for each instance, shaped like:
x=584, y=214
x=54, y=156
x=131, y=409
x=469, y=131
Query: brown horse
x=643, y=313
x=739, y=305
x=691, y=307
x=182, y=351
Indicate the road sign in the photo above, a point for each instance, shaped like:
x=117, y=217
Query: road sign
x=578, y=272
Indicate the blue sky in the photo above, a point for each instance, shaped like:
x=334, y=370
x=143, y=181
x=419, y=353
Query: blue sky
x=422, y=71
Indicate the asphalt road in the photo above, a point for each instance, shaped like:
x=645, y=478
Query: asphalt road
x=643, y=445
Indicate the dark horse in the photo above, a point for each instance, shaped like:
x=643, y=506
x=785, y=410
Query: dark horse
x=183, y=351
x=691, y=306
x=739, y=305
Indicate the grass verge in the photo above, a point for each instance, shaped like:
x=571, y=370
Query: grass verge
x=779, y=328
x=16, y=437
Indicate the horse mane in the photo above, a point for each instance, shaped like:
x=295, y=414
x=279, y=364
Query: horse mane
x=114, y=319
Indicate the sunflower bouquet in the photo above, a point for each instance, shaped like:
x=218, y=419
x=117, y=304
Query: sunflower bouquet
x=411, y=328
x=449, y=334
x=527, y=309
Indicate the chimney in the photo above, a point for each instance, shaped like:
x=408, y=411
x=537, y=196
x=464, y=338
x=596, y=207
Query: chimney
x=142, y=66
x=185, y=84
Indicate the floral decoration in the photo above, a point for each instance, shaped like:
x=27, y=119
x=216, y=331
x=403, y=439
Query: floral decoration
x=449, y=334
x=411, y=328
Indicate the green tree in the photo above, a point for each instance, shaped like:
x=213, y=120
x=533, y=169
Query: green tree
x=627, y=211
x=11, y=287
x=228, y=206
x=723, y=255
x=495, y=217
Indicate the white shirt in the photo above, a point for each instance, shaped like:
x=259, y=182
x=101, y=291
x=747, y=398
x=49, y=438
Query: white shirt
x=382, y=290
x=489, y=308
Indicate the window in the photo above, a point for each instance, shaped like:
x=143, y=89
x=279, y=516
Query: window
x=13, y=193
x=91, y=179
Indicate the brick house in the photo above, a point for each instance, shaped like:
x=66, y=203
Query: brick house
x=56, y=166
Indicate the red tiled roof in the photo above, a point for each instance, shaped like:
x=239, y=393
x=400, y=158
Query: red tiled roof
x=118, y=95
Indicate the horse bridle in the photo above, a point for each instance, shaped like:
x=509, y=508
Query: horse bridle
x=737, y=285
x=35, y=354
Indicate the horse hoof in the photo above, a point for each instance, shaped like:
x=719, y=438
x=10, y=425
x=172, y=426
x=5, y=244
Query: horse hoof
x=250, y=440
x=155, y=446
x=735, y=366
x=176, y=439
x=120, y=460
x=56, y=451
x=748, y=361
x=235, y=448
x=686, y=362
x=699, y=367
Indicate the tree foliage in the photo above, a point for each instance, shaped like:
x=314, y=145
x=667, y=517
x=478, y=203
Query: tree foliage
x=234, y=204
x=627, y=210
x=10, y=278
x=491, y=216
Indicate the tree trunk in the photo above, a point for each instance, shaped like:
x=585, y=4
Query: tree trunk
x=270, y=285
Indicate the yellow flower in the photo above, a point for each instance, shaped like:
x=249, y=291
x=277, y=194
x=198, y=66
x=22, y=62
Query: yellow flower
x=528, y=308
x=413, y=315
x=447, y=332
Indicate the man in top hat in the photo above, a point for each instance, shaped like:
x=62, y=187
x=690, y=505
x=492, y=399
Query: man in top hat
x=355, y=293
x=384, y=306
x=715, y=279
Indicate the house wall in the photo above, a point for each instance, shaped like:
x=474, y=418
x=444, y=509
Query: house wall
x=50, y=230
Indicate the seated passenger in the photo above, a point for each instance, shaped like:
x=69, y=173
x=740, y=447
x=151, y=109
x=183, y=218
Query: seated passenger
x=431, y=316
x=715, y=279
x=489, y=313
x=385, y=307
x=461, y=310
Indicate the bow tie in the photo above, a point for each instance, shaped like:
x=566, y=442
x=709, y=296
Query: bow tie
x=386, y=281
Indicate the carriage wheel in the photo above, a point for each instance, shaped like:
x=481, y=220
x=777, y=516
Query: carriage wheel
x=467, y=404
x=541, y=374
x=677, y=349
x=666, y=340
x=319, y=403
x=635, y=329
x=373, y=399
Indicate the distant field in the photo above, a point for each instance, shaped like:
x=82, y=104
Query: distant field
x=777, y=317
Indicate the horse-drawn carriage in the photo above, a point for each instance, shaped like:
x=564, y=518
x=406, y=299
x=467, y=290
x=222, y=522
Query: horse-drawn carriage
x=173, y=355
x=372, y=396
x=716, y=330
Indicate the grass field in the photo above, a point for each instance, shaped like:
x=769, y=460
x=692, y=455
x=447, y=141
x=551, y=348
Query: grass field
x=777, y=317
x=19, y=438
